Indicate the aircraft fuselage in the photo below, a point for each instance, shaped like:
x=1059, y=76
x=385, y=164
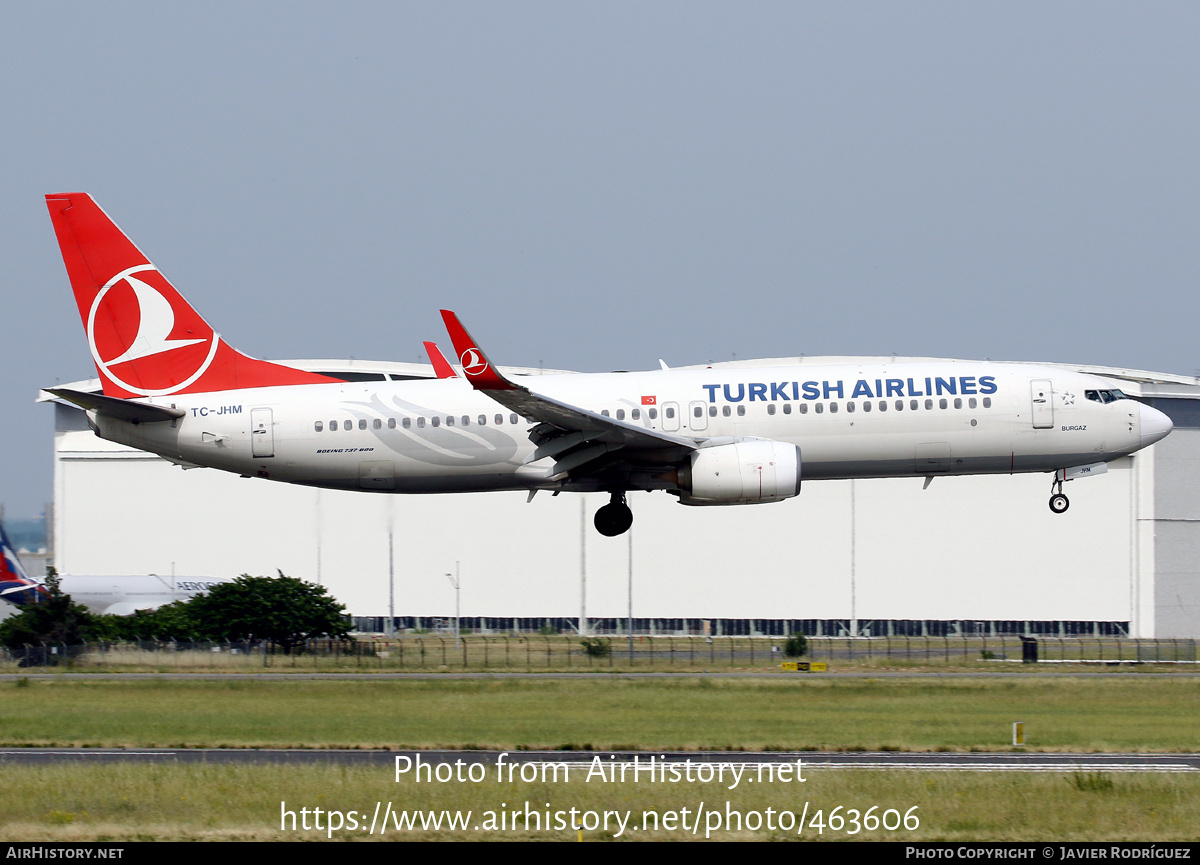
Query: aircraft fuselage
x=899, y=419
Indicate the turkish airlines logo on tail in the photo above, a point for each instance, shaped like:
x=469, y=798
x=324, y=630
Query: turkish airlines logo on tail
x=472, y=362
x=141, y=341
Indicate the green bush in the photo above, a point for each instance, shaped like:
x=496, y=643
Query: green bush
x=796, y=646
x=53, y=618
x=596, y=647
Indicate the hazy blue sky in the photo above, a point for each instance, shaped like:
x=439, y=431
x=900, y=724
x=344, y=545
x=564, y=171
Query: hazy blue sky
x=597, y=185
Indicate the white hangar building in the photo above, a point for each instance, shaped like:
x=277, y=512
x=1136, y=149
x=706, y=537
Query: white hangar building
x=967, y=554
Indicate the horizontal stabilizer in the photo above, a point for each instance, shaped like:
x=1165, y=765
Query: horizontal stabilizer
x=114, y=407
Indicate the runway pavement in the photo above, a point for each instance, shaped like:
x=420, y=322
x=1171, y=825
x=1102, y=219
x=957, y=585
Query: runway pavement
x=581, y=760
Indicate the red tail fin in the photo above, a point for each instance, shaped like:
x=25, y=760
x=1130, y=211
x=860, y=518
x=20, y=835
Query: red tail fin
x=145, y=338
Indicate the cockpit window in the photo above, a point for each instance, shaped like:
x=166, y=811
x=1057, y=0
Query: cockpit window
x=1104, y=396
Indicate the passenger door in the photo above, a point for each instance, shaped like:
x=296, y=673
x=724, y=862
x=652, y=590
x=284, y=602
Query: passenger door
x=1042, y=395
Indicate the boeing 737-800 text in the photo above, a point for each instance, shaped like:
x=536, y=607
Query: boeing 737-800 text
x=710, y=436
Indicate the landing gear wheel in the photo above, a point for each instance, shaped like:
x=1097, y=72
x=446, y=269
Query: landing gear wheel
x=1059, y=503
x=614, y=518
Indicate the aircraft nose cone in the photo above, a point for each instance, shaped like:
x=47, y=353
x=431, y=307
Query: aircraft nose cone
x=1155, y=425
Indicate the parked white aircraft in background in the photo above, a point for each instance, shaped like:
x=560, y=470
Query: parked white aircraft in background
x=117, y=595
x=711, y=436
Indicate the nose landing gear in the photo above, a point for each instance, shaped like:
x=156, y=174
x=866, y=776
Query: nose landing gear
x=1058, y=502
x=614, y=518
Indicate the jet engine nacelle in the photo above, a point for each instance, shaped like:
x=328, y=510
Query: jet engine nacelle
x=742, y=472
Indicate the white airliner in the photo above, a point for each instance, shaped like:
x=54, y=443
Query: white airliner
x=119, y=595
x=709, y=436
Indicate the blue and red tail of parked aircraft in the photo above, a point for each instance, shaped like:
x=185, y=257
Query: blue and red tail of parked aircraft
x=15, y=585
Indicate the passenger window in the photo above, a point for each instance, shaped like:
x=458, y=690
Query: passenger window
x=971, y=403
x=669, y=412
x=820, y=407
x=803, y=408
x=850, y=406
x=604, y=412
x=421, y=423
x=712, y=411
x=332, y=426
x=636, y=414
x=928, y=404
x=433, y=421
x=318, y=426
x=406, y=423
x=987, y=402
x=362, y=423
x=787, y=408
x=726, y=410
x=770, y=410
x=377, y=424
x=391, y=423
x=620, y=414
x=833, y=408
x=958, y=402
x=466, y=420
x=512, y=418
x=653, y=413
x=499, y=420
x=912, y=404
x=866, y=405
x=483, y=420
x=450, y=421
x=883, y=405
x=899, y=405
x=698, y=411
x=741, y=411
x=942, y=403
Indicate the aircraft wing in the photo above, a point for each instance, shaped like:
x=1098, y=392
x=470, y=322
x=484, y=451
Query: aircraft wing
x=573, y=435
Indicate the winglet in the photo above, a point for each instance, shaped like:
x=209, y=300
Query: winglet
x=478, y=370
x=441, y=366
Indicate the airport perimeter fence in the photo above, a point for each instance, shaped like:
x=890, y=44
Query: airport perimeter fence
x=571, y=653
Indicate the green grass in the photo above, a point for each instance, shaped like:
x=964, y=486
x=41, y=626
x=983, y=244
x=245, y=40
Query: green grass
x=128, y=802
x=1062, y=714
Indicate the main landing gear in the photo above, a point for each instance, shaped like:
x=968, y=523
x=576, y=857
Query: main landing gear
x=614, y=518
x=1058, y=502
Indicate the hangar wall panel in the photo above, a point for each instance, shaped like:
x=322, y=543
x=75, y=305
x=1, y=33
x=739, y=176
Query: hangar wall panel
x=1177, y=476
x=1177, y=581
